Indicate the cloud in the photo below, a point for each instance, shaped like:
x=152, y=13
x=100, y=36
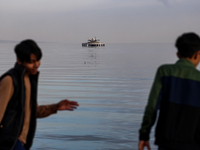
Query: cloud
x=131, y=3
x=45, y=5
x=165, y=2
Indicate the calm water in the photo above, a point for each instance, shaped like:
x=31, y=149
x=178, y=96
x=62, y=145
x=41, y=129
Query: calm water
x=110, y=83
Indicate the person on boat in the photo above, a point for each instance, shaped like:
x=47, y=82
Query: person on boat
x=175, y=93
x=18, y=99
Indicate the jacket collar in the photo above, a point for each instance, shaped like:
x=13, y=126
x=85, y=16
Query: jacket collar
x=185, y=62
x=21, y=70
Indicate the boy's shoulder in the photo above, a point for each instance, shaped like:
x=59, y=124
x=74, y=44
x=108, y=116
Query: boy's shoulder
x=166, y=67
x=181, y=64
x=180, y=71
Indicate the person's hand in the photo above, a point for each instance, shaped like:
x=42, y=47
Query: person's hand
x=142, y=144
x=67, y=105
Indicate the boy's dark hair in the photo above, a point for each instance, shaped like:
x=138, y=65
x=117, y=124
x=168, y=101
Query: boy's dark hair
x=25, y=48
x=187, y=44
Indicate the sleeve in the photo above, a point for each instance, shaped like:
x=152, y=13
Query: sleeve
x=6, y=92
x=46, y=110
x=151, y=108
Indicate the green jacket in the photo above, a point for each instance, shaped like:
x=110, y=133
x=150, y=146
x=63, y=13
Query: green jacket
x=175, y=94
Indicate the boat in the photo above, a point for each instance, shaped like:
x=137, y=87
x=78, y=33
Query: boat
x=93, y=42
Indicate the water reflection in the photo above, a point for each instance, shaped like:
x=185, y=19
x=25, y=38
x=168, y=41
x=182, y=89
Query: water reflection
x=90, y=58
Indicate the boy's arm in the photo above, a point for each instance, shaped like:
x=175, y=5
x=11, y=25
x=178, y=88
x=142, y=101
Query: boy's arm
x=6, y=92
x=46, y=110
x=151, y=108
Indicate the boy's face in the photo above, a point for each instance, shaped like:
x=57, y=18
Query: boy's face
x=31, y=66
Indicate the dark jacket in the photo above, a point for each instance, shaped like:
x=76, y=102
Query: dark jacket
x=176, y=93
x=12, y=122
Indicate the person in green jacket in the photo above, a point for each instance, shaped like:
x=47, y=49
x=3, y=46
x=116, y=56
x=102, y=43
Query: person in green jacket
x=175, y=94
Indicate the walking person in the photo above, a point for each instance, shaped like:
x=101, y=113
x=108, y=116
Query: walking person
x=176, y=94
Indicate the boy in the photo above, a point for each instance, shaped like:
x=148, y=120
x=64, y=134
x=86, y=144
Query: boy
x=176, y=93
x=18, y=99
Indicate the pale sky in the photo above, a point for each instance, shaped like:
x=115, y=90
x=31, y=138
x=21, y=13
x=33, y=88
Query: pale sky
x=113, y=21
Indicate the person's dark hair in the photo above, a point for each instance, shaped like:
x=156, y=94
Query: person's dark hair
x=25, y=48
x=187, y=44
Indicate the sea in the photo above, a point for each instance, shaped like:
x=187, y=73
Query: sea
x=111, y=85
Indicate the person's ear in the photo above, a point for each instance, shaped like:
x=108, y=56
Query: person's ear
x=18, y=61
x=196, y=55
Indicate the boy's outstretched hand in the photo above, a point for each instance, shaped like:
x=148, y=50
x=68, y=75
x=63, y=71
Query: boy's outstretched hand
x=67, y=105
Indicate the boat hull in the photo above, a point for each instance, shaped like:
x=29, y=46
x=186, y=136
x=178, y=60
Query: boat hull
x=92, y=44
